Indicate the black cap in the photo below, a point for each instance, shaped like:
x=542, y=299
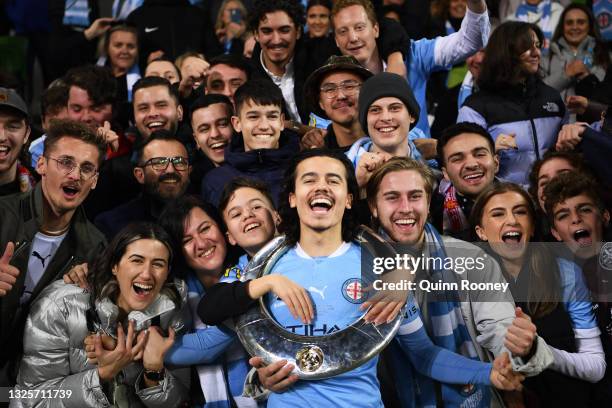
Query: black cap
x=10, y=98
x=386, y=84
x=334, y=63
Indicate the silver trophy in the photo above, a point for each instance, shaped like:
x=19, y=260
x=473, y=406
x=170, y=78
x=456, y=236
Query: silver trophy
x=314, y=357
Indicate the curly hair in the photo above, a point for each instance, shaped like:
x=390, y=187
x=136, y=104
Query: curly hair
x=99, y=83
x=103, y=283
x=293, y=8
x=290, y=221
x=566, y=186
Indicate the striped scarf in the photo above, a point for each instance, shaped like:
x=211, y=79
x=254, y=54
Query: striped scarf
x=543, y=11
x=448, y=329
x=76, y=13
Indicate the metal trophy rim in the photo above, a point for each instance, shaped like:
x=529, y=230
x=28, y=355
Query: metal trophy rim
x=259, y=314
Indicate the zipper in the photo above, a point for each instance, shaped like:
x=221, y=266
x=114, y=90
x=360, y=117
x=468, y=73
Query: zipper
x=534, y=136
x=19, y=246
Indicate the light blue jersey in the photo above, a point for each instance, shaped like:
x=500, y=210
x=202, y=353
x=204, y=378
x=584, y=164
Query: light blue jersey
x=335, y=288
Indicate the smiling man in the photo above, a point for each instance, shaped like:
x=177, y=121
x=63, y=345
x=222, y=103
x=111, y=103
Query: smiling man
x=261, y=149
x=466, y=152
x=277, y=27
x=399, y=194
x=14, y=133
x=163, y=171
x=44, y=232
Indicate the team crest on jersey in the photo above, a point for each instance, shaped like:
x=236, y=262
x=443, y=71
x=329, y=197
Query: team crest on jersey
x=605, y=256
x=233, y=272
x=352, y=290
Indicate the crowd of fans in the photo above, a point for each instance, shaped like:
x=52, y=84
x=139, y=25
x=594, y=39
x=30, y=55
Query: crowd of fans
x=176, y=139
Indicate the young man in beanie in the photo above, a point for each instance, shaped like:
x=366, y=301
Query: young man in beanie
x=388, y=111
x=14, y=133
x=332, y=91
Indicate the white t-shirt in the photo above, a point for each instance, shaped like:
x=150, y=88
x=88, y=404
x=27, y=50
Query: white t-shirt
x=42, y=252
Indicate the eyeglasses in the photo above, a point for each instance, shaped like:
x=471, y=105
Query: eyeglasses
x=349, y=88
x=161, y=163
x=67, y=165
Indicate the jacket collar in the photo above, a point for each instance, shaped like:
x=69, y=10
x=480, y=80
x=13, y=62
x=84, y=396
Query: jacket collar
x=264, y=159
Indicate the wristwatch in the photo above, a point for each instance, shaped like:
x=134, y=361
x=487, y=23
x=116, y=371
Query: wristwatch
x=153, y=375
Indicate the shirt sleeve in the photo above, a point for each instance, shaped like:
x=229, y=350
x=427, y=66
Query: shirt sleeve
x=456, y=47
x=200, y=347
x=224, y=300
x=434, y=361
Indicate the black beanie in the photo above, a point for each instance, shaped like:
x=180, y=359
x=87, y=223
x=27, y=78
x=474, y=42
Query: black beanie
x=386, y=84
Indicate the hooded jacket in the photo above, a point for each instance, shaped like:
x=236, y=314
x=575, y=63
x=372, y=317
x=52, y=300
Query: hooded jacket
x=533, y=112
x=55, y=360
x=20, y=219
x=267, y=165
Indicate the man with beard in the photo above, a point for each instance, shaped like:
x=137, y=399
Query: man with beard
x=333, y=91
x=14, y=133
x=466, y=152
x=156, y=107
x=163, y=170
x=44, y=232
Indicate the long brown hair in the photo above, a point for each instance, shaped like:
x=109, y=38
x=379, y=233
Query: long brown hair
x=544, y=289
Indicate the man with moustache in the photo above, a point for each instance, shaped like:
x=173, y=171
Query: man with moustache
x=333, y=91
x=466, y=152
x=44, y=232
x=163, y=170
x=156, y=106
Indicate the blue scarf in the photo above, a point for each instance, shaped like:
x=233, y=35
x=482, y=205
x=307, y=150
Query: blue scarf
x=76, y=13
x=544, y=11
x=449, y=331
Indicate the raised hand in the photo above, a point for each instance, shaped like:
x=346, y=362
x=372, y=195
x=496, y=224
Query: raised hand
x=8, y=273
x=109, y=136
x=156, y=347
x=521, y=334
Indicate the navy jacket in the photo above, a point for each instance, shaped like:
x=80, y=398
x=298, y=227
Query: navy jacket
x=267, y=165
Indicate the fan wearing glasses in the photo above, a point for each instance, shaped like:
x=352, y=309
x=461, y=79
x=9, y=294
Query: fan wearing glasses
x=163, y=168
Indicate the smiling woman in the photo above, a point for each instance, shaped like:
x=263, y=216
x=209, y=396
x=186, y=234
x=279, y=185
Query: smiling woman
x=552, y=293
x=130, y=303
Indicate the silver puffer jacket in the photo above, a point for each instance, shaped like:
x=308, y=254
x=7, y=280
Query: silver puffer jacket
x=55, y=359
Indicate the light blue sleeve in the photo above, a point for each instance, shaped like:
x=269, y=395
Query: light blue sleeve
x=200, y=347
x=436, y=362
x=422, y=58
x=576, y=296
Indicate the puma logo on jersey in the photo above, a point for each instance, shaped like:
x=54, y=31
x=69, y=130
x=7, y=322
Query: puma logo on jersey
x=319, y=292
x=39, y=256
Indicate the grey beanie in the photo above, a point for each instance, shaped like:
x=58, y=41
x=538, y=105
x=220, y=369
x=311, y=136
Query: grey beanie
x=386, y=84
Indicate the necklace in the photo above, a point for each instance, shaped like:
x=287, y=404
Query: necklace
x=56, y=232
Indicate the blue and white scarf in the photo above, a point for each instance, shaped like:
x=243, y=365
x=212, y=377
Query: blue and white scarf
x=543, y=13
x=76, y=13
x=449, y=331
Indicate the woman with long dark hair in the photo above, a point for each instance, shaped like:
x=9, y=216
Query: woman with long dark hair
x=550, y=290
x=521, y=112
x=132, y=301
x=578, y=59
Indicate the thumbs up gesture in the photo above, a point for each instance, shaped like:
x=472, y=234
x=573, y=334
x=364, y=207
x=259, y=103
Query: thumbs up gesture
x=8, y=273
x=521, y=334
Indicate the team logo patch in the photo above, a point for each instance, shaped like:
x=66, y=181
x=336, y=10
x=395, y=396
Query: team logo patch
x=551, y=107
x=605, y=256
x=352, y=291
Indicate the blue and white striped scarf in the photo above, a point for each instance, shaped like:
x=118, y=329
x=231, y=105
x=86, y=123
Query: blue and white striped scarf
x=76, y=13
x=449, y=330
x=544, y=12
